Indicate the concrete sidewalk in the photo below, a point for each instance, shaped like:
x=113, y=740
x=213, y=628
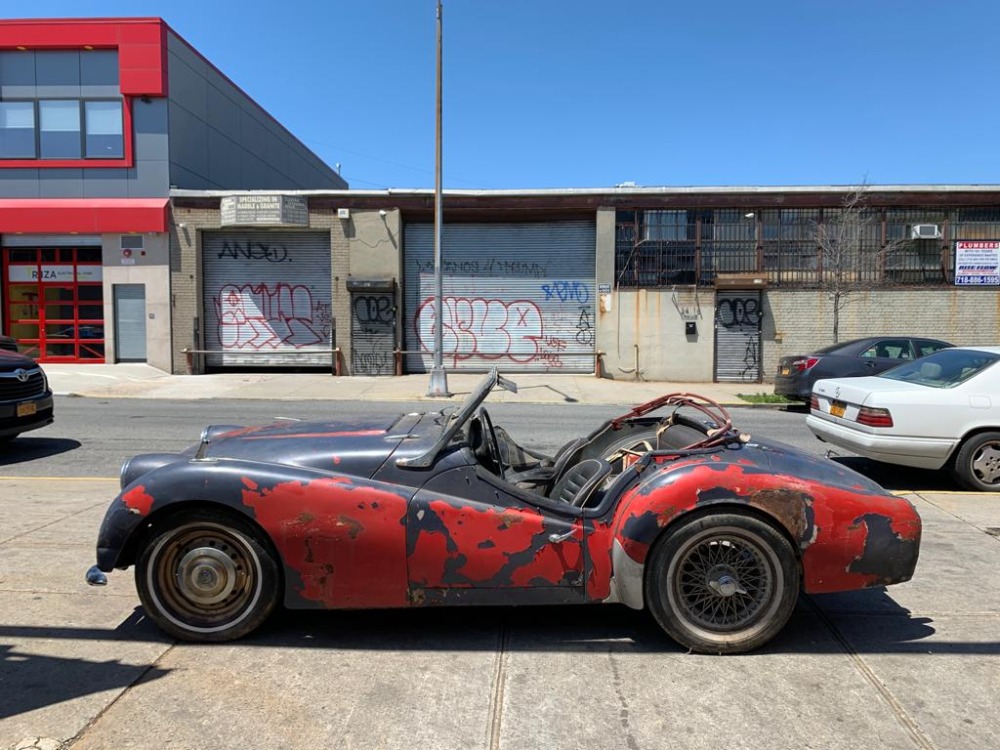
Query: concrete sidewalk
x=911, y=667
x=143, y=381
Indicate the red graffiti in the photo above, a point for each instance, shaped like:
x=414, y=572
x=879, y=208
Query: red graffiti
x=255, y=316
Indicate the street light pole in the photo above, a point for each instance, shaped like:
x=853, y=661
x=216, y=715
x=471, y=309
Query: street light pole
x=439, y=378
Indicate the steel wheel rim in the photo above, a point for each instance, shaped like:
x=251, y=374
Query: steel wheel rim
x=725, y=581
x=986, y=463
x=203, y=577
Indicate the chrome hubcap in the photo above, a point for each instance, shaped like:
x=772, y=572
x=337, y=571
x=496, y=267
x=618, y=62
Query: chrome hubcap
x=206, y=575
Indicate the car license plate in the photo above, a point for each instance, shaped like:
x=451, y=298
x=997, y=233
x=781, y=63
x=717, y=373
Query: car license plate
x=837, y=408
x=26, y=410
x=785, y=371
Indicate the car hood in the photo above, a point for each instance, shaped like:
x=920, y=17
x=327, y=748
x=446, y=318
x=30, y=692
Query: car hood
x=10, y=361
x=356, y=447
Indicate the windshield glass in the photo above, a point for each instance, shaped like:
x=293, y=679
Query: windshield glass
x=944, y=369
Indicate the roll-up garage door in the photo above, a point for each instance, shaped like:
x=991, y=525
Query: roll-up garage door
x=517, y=296
x=737, y=336
x=267, y=298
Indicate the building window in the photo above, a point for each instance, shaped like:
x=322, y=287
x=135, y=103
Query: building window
x=59, y=129
x=17, y=130
x=62, y=129
x=103, y=128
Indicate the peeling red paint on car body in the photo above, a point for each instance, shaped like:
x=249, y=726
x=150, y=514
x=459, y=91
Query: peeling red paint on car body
x=480, y=546
x=344, y=558
x=138, y=500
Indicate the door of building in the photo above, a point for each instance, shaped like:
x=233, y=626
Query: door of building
x=130, y=322
x=373, y=326
x=520, y=297
x=738, y=316
x=54, y=300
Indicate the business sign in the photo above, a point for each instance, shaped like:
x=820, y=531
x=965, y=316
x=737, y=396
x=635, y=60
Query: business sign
x=977, y=263
x=53, y=274
x=264, y=210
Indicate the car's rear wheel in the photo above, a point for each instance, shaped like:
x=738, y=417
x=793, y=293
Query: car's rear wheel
x=722, y=583
x=977, y=463
x=207, y=576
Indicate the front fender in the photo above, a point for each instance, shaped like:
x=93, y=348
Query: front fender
x=266, y=493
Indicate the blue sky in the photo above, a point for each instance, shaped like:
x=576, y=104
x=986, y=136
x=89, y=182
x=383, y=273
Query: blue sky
x=581, y=93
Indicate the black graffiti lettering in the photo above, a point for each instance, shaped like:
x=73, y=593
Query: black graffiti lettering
x=737, y=313
x=372, y=362
x=374, y=309
x=252, y=250
x=493, y=267
x=585, y=327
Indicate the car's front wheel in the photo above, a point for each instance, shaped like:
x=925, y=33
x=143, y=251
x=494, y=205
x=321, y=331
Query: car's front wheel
x=977, y=463
x=722, y=583
x=207, y=576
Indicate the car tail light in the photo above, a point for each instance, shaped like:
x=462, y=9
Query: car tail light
x=872, y=417
x=813, y=402
x=801, y=365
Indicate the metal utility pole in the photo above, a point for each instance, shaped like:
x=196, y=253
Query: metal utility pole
x=439, y=378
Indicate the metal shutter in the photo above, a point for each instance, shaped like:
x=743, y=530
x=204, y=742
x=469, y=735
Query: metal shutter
x=518, y=296
x=51, y=240
x=267, y=298
x=737, y=337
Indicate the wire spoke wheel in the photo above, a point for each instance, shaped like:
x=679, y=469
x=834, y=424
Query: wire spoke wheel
x=205, y=579
x=722, y=582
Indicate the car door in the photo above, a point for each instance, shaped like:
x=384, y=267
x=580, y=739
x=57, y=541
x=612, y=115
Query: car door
x=886, y=353
x=473, y=538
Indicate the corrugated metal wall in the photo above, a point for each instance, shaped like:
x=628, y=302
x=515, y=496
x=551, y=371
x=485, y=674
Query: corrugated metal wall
x=267, y=298
x=738, y=316
x=517, y=296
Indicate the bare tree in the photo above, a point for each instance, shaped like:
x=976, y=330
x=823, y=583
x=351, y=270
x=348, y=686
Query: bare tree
x=852, y=250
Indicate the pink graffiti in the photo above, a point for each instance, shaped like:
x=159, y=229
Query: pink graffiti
x=485, y=328
x=254, y=316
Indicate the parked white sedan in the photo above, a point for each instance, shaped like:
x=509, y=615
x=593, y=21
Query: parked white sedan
x=941, y=411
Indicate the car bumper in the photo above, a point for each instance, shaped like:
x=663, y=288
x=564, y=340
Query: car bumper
x=11, y=424
x=920, y=453
x=792, y=388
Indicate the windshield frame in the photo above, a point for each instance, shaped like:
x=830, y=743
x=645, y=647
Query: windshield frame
x=457, y=419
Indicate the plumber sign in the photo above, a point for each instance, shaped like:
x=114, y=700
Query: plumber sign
x=977, y=263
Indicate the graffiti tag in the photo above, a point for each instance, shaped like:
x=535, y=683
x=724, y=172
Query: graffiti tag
x=255, y=316
x=254, y=250
x=567, y=291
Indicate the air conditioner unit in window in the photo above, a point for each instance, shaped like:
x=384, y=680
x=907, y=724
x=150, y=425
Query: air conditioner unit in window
x=925, y=232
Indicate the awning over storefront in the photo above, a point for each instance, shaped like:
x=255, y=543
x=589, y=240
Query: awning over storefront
x=83, y=215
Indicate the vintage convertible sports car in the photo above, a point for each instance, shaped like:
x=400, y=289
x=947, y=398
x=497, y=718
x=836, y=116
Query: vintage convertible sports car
x=714, y=532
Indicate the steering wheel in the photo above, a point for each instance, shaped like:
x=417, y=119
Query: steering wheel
x=490, y=440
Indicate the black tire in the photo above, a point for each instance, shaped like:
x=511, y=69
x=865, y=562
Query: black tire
x=977, y=463
x=723, y=583
x=206, y=576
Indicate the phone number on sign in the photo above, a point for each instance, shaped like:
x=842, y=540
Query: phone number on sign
x=960, y=280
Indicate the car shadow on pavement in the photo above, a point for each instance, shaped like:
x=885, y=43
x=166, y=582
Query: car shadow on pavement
x=25, y=449
x=900, y=478
x=43, y=680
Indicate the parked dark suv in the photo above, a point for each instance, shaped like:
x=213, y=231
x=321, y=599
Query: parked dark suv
x=25, y=398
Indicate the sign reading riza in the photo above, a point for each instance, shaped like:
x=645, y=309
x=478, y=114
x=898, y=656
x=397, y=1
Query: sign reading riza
x=267, y=298
x=516, y=296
